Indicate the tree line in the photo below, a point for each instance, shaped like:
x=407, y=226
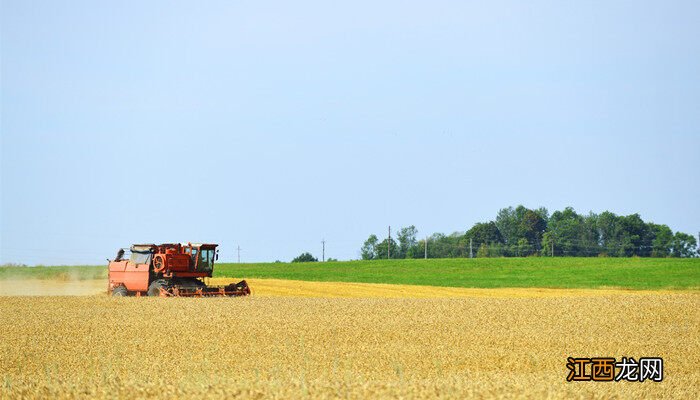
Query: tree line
x=522, y=232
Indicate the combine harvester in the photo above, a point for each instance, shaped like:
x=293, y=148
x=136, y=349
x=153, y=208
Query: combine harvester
x=170, y=269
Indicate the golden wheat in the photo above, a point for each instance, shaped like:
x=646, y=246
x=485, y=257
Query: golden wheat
x=283, y=347
x=291, y=288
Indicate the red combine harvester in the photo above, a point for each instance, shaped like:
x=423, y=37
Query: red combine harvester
x=170, y=269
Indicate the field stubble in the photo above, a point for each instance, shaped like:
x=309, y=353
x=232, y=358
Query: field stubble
x=341, y=347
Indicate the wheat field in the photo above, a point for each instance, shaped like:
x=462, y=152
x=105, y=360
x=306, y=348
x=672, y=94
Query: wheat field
x=292, y=347
x=293, y=288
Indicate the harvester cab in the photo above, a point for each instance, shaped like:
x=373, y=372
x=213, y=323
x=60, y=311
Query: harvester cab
x=169, y=269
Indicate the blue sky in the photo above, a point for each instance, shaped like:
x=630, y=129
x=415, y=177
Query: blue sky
x=274, y=125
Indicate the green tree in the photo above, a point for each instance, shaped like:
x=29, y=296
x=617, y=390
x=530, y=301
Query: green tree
x=607, y=226
x=683, y=245
x=521, y=231
x=532, y=227
x=521, y=223
x=522, y=248
x=634, y=236
x=417, y=251
x=547, y=244
x=369, y=248
x=459, y=245
x=589, y=237
x=663, y=240
x=566, y=227
x=438, y=246
x=407, y=240
x=483, y=232
x=483, y=251
x=507, y=223
x=305, y=257
x=448, y=246
x=381, y=251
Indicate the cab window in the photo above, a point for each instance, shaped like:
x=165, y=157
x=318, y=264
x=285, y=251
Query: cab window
x=206, y=260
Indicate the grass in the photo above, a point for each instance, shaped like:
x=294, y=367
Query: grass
x=628, y=273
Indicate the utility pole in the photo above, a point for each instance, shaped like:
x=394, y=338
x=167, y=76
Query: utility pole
x=552, y=247
x=426, y=247
x=239, y=253
x=388, y=245
x=323, y=256
x=471, y=252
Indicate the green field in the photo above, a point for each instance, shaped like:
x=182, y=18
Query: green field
x=631, y=273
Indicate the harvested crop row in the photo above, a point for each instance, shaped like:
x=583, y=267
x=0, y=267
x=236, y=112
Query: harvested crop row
x=287, y=288
x=291, y=288
x=280, y=347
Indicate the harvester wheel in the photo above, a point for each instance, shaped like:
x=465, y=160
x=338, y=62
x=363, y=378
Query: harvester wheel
x=155, y=286
x=119, y=291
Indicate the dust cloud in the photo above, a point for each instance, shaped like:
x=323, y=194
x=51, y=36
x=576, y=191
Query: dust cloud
x=52, y=287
